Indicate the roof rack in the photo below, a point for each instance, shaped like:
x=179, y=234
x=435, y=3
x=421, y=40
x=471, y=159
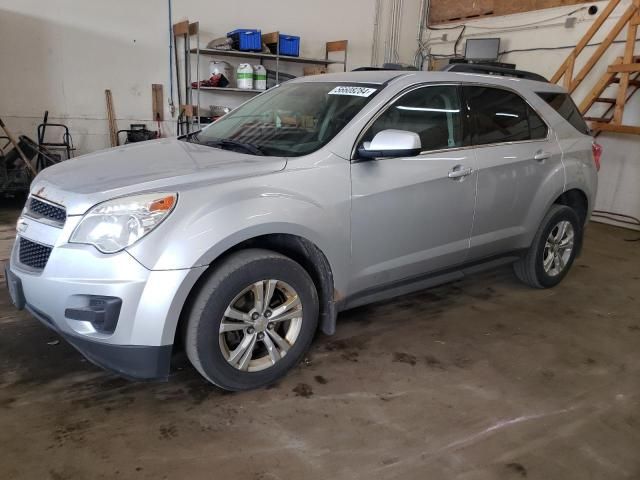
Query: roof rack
x=492, y=70
x=386, y=66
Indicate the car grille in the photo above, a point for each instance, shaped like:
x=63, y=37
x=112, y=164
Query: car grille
x=39, y=209
x=32, y=254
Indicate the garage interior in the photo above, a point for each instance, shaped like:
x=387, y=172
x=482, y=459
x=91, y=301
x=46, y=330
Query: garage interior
x=482, y=378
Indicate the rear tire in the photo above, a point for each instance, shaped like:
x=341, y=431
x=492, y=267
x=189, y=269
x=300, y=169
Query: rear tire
x=238, y=341
x=553, y=250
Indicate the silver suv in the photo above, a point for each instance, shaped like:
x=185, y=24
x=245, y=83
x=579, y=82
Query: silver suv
x=325, y=193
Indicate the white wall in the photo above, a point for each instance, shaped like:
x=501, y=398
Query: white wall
x=61, y=55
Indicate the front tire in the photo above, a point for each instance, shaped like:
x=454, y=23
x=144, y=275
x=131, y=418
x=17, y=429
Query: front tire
x=553, y=250
x=252, y=320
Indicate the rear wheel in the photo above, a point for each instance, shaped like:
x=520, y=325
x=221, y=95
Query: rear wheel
x=553, y=249
x=252, y=320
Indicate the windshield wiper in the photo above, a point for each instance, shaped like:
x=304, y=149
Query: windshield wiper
x=231, y=144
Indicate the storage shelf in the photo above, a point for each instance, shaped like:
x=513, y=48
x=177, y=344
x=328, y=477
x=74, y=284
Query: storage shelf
x=266, y=56
x=230, y=89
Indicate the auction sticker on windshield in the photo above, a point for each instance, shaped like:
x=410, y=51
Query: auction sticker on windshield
x=353, y=91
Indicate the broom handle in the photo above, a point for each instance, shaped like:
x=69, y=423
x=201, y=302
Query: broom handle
x=12, y=139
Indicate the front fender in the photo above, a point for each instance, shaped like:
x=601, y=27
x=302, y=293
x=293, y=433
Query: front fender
x=198, y=231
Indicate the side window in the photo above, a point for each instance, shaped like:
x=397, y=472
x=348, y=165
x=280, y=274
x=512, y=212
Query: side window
x=563, y=104
x=432, y=112
x=501, y=116
x=537, y=126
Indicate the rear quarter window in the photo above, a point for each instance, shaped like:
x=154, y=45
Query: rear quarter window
x=564, y=105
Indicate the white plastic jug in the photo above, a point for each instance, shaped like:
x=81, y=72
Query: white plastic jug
x=259, y=77
x=244, y=76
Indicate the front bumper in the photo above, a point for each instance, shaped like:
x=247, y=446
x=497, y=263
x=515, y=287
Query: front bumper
x=136, y=362
x=140, y=345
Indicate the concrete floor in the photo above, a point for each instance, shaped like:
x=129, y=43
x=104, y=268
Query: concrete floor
x=481, y=379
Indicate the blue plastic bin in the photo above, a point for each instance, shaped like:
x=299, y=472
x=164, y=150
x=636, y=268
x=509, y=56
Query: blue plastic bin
x=289, y=45
x=246, y=39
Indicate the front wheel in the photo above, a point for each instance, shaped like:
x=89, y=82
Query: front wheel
x=553, y=249
x=252, y=320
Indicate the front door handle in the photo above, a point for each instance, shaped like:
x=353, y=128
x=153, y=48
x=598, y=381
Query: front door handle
x=459, y=172
x=541, y=156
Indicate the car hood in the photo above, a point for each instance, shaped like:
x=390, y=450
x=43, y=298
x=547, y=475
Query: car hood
x=161, y=165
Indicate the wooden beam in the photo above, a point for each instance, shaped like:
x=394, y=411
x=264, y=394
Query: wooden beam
x=606, y=43
x=111, y=117
x=568, y=75
x=584, y=41
x=157, y=102
x=189, y=110
x=443, y=11
x=337, y=46
x=629, y=48
x=606, y=80
x=610, y=127
x=625, y=67
x=181, y=28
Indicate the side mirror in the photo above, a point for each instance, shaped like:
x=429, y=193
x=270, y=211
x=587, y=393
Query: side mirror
x=391, y=144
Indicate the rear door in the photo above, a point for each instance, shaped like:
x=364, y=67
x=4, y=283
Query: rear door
x=518, y=159
x=411, y=216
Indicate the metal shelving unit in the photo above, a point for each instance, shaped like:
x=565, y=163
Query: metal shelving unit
x=230, y=89
x=191, y=110
x=268, y=56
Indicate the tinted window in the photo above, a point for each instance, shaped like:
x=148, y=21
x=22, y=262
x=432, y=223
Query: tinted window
x=500, y=116
x=431, y=112
x=536, y=125
x=563, y=104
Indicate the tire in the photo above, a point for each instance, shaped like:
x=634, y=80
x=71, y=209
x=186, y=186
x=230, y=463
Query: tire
x=233, y=288
x=530, y=269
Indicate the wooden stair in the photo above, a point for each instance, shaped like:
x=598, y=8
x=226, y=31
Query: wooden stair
x=623, y=72
x=605, y=100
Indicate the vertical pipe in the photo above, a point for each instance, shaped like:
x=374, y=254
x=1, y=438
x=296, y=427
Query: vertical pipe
x=398, y=30
x=388, y=51
x=376, y=35
x=419, y=31
x=277, y=60
x=171, y=46
x=198, y=71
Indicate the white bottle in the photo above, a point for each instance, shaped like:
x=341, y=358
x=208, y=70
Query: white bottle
x=244, y=76
x=259, y=77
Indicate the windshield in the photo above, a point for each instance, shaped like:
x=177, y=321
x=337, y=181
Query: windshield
x=290, y=120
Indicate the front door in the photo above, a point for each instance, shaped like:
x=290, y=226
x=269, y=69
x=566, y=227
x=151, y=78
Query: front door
x=412, y=216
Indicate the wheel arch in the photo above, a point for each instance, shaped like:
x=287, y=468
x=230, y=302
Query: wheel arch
x=578, y=201
x=296, y=247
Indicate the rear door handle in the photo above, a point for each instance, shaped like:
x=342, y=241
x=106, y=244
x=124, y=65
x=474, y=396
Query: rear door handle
x=460, y=172
x=541, y=156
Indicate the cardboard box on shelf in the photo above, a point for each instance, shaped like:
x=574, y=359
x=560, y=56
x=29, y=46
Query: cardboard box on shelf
x=315, y=70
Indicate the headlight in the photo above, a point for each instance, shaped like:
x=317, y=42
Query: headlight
x=117, y=224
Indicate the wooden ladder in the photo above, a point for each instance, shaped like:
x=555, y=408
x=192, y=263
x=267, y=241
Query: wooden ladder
x=624, y=71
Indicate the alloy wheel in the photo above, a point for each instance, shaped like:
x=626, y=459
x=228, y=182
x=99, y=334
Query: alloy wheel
x=558, y=248
x=260, y=325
